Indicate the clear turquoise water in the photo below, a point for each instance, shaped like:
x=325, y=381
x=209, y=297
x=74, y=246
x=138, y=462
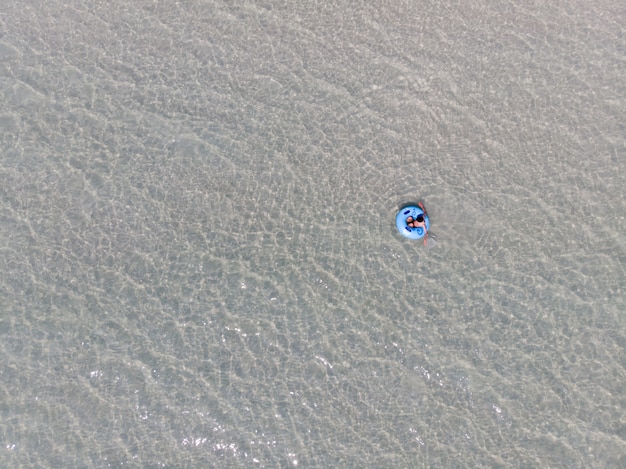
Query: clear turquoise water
x=198, y=260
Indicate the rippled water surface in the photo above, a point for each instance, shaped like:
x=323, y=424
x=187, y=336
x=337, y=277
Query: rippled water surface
x=198, y=260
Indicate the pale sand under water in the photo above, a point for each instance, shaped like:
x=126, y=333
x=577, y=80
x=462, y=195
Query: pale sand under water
x=199, y=264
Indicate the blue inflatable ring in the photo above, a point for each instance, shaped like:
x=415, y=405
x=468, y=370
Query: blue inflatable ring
x=407, y=231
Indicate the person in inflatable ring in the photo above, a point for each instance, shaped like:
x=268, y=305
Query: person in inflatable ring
x=416, y=222
x=419, y=221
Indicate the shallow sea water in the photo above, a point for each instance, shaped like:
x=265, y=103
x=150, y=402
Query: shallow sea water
x=198, y=260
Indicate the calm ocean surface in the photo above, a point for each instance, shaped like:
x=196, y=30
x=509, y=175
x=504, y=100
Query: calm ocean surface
x=198, y=260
